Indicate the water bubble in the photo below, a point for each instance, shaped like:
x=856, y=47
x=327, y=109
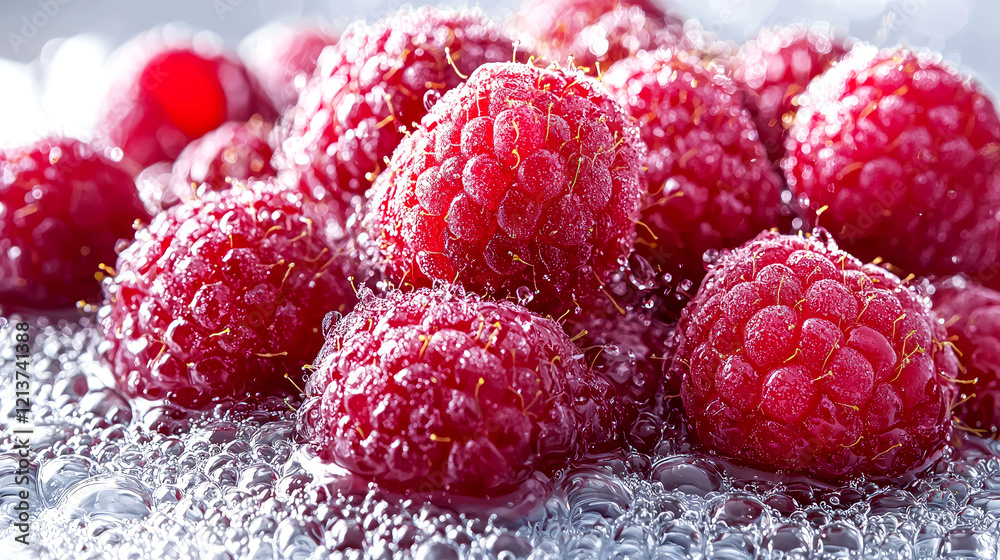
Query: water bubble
x=55, y=477
x=641, y=273
x=688, y=475
x=710, y=258
x=436, y=550
x=431, y=97
x=108, y=404
x=524, y=295
x=111, y=497
x=740, y=510
x=968, y=543
x=347, y=534
x=839, y=540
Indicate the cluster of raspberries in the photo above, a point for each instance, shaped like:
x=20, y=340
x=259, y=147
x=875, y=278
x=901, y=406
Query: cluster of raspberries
x=498, y=251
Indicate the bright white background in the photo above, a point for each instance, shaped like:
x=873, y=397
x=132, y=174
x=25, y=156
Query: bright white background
x=52, y=52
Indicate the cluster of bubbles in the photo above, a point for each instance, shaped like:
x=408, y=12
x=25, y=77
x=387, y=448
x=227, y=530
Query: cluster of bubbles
x=111, y=479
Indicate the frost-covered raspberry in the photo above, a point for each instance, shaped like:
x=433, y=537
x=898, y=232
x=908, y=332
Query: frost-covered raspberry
x=902, y=152
x=795, y=356
x=63, y=208
x=167, y=93
x=598, y=33
x=233, y=152
x=435, y=390
x=522, y=180
x=971, y=313
x=775, y=67
x=373, y=84
x=710, y=184
x=222, y=297
x=283, y=57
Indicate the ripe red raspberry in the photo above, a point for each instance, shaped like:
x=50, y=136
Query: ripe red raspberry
x=971, y=313
x=63, y=207
x=710, y=183
x=221, y=298
x=284, y=56
x=793, y=355
x=521, y=180
x=904, y=152
x=775, y=67
x=433, y=390
x=597, y=33
x=167, y=93
x=234, y=151
x=374, y=82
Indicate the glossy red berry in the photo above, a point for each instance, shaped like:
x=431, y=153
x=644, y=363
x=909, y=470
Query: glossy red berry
x=436, y=390
x=898, y=155
x=222, y=297
x=236, y=151
x=168, y=93
x=795, y=356
x=971, y=313
x=775, y=67
x=522, y=181
x=597, y=33
x=63, y=208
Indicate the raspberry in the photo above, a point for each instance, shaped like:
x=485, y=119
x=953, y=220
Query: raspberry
x=63, y=207
x=233, y=151
x=775, y=67
x=597, y=33
x=795, y=356
x=221, y=298
x=283, y=57
x=710, y=183
x=971, y=314
x=169, y=93
x=433, y=390
x=904, y=153
x=521, y=180
x=374, y=81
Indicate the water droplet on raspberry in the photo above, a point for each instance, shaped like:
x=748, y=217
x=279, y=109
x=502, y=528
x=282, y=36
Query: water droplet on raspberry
x=524, y=295
x=431, y=97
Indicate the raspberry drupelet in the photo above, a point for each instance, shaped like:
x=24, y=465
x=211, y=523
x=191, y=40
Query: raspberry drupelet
x=63, y=208
x=221, y=297
x=438, y=390
x=375, y=83
x=971, y=313
x=775, y=67
x=897, y=155
x=710, y=184
x=521, y=179
x=795, y=356
x=169, y=92
x=236, y=151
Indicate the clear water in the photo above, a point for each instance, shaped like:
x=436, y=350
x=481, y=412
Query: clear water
x=108, y=483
